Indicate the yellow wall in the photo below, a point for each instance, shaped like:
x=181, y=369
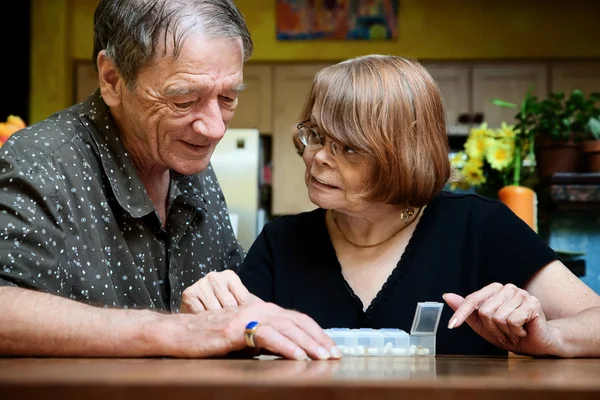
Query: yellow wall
x=50, y=78
x=428, y=29
x=452, y=29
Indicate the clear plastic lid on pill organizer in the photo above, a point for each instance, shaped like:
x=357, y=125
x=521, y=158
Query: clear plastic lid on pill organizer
x=393, y=342
x=427, y=318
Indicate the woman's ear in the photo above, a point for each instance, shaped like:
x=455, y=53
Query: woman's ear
x=111, y=83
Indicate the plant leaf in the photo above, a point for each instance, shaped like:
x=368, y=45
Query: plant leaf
x=503, y=103
x=594, y=127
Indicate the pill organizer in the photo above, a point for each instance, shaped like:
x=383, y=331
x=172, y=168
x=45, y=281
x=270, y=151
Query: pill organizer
x=366, y=342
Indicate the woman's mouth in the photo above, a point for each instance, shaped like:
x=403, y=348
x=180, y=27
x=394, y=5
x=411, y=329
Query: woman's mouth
x=319, y=183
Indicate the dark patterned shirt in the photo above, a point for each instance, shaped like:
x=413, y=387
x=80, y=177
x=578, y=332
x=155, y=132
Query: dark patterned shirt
x=76, y=221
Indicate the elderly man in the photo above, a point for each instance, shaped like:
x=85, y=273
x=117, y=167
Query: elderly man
x=110, y=211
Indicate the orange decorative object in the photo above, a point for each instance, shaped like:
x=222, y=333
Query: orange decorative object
x=522, y=201
x=12, y=124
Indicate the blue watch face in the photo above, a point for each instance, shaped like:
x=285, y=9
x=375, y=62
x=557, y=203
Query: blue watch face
x=251, y=325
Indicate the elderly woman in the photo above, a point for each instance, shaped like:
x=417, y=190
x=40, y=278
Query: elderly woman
x=386, y=236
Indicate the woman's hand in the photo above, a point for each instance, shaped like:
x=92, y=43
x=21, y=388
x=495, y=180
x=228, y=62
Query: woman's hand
x=506, y=316
x=215, y=291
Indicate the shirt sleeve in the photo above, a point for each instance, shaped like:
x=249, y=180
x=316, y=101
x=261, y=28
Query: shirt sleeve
x=30, y=237
x=256, y=272
x=510, y=251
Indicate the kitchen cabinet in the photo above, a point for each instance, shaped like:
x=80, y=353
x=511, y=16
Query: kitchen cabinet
x=454, y=81
x=567, y=76
x=509, y=82
x=255, y=106
x=468, y=88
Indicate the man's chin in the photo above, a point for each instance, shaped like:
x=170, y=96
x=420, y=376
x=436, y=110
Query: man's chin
x=190, y=168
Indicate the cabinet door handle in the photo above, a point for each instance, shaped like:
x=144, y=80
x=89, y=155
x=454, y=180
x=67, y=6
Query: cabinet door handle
x=467, y=118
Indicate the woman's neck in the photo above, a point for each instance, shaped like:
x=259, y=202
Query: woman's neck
x=373, y=228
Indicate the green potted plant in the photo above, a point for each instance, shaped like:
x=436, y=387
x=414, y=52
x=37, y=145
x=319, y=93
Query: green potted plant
x=586, y=119
x=556, y=124
x=558, y=133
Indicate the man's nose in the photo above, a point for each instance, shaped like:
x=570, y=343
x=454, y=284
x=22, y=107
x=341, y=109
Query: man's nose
x=209, y=122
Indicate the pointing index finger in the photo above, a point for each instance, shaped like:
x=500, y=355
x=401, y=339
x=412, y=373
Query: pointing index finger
x=472, y=303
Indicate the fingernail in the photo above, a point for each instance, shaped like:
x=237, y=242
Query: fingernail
x=502, y=342
x=323, y=354
x=452, y=323
x=300, y=355
x=444, y=296
x=335, y=352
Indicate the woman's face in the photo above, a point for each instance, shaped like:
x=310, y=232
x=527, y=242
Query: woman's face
x=337, y=181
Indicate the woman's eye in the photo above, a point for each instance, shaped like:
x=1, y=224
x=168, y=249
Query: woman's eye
x=349, y=150
x=313, y=137
x=183, y=106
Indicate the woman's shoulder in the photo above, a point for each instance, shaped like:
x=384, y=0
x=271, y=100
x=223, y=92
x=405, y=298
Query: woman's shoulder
x=465, y=201
x=462, y=207
x=304, y=221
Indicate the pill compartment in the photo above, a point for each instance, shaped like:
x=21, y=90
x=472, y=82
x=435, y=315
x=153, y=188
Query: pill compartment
x=367, y=342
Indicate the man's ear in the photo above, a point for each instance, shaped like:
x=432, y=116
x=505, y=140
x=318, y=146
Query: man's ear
x=111, y=83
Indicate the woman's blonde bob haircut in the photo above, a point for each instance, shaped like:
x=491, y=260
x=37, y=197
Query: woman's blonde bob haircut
x=390, y=108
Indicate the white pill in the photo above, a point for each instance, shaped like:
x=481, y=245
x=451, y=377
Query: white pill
x=387, y=348
x=412, y=350
x=351, y=351
x=361, y=350
x=372, y=351
x=398, y=351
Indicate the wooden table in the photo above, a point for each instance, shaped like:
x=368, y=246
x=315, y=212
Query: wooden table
x=351, y=378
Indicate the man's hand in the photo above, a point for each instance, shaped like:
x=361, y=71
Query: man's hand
x=215, y=291
x=284, y=332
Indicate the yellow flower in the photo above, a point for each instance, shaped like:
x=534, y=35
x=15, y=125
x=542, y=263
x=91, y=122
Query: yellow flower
x=475, y=146
x=500, y=154
x=481, y=131
x=460, y=185
x=507, y=131
x=458, y=160
x=12, y=124
x=473, y=172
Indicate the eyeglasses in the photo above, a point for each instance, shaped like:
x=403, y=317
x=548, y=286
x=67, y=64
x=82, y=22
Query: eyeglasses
x=314, y=141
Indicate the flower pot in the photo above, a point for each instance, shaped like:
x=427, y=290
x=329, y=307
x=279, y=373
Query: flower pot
x=554, y=156
x=522, y=201
x=591, y=151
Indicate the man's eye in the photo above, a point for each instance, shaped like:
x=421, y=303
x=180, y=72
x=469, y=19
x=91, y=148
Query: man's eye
x=185, y=105
x=227, y=99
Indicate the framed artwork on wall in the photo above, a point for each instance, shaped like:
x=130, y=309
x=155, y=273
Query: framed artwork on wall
x=337, y=19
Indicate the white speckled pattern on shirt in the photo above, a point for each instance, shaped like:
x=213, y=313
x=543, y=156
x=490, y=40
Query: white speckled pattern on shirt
x=76, y=221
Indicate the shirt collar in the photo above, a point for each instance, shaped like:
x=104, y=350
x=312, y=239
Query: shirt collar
x=118, y=167
x=192, y=187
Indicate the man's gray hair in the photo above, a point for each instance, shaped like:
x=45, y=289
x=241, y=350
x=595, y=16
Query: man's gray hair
x=131, y=30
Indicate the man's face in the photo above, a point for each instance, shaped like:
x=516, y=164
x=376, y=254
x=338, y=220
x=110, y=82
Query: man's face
x=180, y=109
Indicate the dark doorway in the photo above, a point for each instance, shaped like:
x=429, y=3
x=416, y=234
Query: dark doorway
x=15, y=51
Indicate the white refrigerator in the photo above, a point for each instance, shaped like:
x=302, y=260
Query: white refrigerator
x=237, y=164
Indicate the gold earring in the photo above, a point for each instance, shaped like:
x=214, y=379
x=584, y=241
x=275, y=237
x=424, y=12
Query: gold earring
x=406, y=214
